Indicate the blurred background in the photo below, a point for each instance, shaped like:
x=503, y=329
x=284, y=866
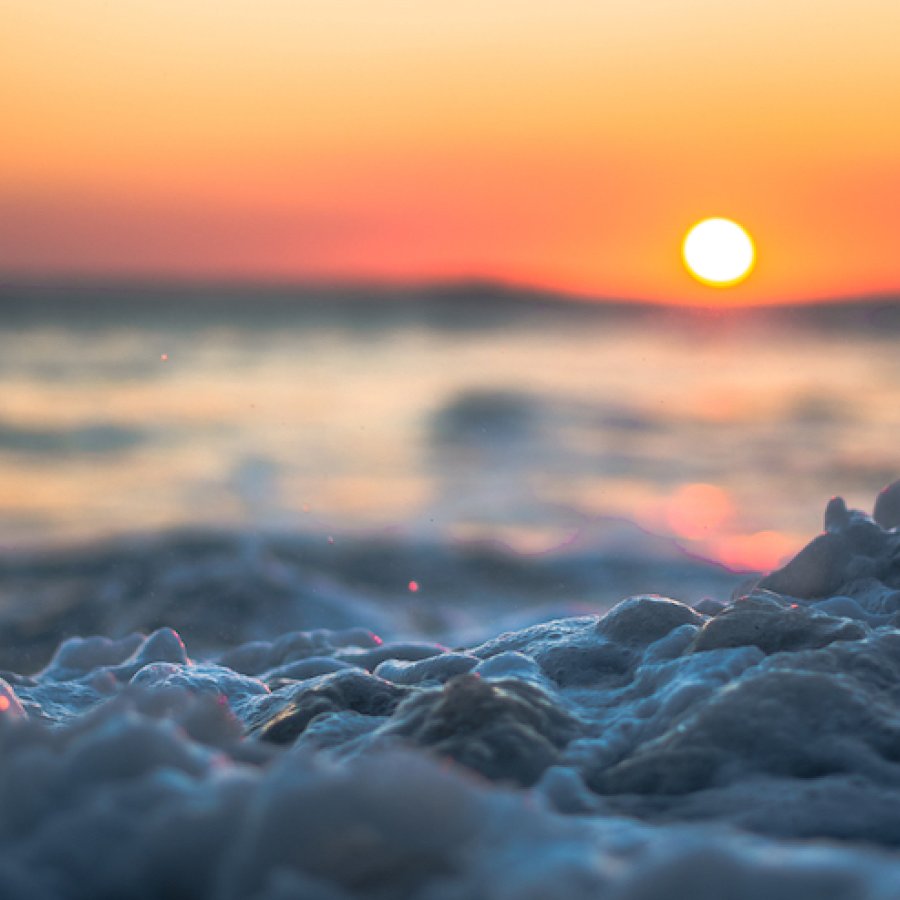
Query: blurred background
x=383, y=303
x=465, y=413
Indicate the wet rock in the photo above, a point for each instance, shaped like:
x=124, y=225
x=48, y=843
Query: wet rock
x=255, y=657
x=774, y=627
x=505, y=730
x=643, y=620
x=433, y=669
x=201, y=679
x=887, y=506
x=349, y=689
x=853, y=547
x=587, y=662
x=302, y=669
x=709, y=606
x=76, y=656
x=837, y=516
x=818, y=570
x=786, y=724
x=860, y=531
x=534, y=639
x=409, y=651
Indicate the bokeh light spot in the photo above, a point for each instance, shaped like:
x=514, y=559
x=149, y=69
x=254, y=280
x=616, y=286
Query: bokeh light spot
x=696, y=510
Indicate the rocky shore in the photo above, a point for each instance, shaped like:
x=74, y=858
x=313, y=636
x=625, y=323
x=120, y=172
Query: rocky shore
x=658, y=750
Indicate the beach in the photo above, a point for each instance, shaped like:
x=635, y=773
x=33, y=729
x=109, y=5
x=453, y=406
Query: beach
x=658, y=749
x=449, y=451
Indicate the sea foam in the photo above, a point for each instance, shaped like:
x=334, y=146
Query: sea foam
x=743, y=748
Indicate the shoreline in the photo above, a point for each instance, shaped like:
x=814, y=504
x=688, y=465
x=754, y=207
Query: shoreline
x=655, y=750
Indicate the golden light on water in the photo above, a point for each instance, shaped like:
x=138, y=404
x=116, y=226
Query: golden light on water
x=718, y=252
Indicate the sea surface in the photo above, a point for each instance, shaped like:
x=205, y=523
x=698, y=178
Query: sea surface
x=462, y=413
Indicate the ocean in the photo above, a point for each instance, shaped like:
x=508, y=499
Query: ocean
x=462, y=413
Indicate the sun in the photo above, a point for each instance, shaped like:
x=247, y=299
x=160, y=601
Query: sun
x=718, y=252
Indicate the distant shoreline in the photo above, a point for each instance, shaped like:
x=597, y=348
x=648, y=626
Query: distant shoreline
x=448, y=304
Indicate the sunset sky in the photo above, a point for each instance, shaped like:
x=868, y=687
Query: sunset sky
x=566, y=145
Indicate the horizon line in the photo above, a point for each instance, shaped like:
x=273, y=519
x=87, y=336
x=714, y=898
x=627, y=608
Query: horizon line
x=464, y=283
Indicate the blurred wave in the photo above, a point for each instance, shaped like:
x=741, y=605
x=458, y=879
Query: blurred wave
x=92, y=438
x=448, y=412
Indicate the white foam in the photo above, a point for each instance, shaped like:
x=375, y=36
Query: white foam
x=654, y=752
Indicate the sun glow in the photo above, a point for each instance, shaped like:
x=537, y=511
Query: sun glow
x=718, y=252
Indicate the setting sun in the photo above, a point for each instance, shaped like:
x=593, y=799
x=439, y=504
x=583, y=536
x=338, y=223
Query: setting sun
x=718, y=252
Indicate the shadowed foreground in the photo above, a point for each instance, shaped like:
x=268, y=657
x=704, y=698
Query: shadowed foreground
x=658, y=750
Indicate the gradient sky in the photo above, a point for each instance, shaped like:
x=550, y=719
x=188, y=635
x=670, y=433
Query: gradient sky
x=566, y=144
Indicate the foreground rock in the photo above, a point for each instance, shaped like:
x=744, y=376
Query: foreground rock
x=694, y=744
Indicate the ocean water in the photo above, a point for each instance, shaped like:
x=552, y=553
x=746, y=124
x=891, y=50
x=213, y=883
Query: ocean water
x=466, y=415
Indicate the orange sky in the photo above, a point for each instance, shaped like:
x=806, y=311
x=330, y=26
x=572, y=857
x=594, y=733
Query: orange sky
x=566, y=144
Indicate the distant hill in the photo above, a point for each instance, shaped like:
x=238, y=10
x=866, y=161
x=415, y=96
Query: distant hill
x=452, y=305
